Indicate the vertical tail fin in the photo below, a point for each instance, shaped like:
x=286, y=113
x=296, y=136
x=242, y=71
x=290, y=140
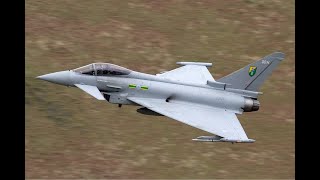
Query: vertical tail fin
x=253, y=75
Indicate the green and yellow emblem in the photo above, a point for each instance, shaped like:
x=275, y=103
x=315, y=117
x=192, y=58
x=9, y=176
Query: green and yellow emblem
x=252, y=70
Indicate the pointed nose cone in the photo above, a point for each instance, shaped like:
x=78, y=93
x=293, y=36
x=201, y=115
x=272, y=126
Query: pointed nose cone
x=62, y=77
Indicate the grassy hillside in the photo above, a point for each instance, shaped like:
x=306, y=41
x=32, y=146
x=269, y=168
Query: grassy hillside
x=71, y=135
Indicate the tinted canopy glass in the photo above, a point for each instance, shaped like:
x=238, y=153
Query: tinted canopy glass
x=105, y=69
x=102, y=69
x=88, y=69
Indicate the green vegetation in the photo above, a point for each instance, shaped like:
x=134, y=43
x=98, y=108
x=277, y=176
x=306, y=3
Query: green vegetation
x=69, y=134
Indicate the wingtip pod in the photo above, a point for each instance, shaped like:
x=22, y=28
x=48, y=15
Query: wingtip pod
x=237, y=140
x=214, y=138
x=221, y=139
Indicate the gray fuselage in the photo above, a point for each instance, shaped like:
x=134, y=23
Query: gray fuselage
x=118, y=88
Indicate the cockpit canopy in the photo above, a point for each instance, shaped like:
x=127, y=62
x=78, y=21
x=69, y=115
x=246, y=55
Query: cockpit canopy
x=102, y=69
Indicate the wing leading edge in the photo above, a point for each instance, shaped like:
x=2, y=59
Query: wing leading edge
x=222, y=123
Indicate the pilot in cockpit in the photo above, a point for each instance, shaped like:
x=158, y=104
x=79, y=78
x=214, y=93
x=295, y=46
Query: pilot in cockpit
x=102, y=69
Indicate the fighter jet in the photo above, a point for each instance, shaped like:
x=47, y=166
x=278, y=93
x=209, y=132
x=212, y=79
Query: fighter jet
x=188, y=94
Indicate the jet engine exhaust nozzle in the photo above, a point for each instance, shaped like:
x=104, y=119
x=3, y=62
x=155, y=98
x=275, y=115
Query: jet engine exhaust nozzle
x=250, y=105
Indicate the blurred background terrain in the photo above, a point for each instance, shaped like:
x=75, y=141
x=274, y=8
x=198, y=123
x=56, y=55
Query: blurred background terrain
x=69, y=134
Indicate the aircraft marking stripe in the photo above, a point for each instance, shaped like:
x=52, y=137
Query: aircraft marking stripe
x=144, y=87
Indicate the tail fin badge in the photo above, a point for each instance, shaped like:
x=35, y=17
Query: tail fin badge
x=252, y=70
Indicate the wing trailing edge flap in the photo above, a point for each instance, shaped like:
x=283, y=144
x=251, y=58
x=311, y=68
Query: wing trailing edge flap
x=224, y=124
x=92, y=90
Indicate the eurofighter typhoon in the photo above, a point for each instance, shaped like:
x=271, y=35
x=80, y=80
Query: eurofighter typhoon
x=188, y=94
